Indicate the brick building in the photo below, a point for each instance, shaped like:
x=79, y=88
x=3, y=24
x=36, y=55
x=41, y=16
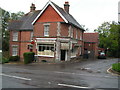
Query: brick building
x=91, y=41
x=52, y=33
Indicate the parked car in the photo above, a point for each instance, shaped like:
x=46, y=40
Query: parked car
x=101, y=55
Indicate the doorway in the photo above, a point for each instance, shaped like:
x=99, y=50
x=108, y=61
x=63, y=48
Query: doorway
x=63, y=55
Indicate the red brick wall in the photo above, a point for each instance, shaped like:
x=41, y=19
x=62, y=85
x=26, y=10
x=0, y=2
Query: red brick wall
x=25, y=35
x=53, y=29
x=23, y=41
x=74, y=32
x=10, y=46
x=92, y=47
x=50, y=15
x=23, y=48
x=13, y=42
x=64, y=29
x=39, y=29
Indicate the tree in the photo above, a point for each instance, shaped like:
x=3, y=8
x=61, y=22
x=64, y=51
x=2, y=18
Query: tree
x=108, y=37
x=6, y=17
x=16, y=16
x=5, y=34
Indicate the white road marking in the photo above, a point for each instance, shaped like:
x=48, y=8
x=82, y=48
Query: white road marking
x=15, y=77
x=83, y=74
x=73, y=86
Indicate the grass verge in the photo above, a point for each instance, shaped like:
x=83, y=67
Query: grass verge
x=116, y=67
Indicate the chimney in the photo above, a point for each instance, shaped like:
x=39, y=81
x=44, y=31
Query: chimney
x=32, y=7
x=66, y=6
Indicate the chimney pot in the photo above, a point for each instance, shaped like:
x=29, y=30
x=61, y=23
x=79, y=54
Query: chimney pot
x=32, y=7
x=66, y=6
x=66, y=2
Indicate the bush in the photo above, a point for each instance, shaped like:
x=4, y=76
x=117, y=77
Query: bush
x=116, y=67
x=5, y=54
x=43, y=60
x=14, y=58
x=5, y=60
x=28, y=57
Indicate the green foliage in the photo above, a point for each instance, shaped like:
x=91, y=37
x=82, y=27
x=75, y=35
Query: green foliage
x=5, y=54
x=116, y=67
x=28, y=57
x=6, y=17
x=14, y=58
x=108, y=37
x=5, y=60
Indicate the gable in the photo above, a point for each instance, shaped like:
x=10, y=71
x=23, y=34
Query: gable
x=50, y=15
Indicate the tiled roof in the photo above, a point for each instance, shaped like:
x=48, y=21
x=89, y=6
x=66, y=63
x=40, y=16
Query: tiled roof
x=67, y=16
x=24, y=23
x=91, y=37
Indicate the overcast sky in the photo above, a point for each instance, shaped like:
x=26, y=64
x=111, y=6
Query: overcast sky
x=91, y=13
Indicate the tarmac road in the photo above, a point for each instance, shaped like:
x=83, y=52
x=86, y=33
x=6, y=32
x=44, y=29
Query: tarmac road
x=85, y=74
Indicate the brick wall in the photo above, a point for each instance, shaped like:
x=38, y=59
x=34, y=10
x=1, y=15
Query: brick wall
x=39, y=29
x=64, y=29
x=50, y=15
x=23, y=41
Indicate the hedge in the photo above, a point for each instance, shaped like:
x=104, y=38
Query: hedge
x=28, y=57
x=5, y=60
x=116, y=67
x=14, y=58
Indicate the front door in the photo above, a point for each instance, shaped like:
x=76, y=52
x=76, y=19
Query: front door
x=63, y=55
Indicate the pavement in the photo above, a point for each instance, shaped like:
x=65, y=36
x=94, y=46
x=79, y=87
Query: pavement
x=80, y=74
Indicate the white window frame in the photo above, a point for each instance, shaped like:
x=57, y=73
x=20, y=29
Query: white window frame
x=46, y=47
x=72, y=32
x=80, y=36
x=76, y=34
x=46, y=29
x=31, y=35
x=14, y=50
x=15, y=36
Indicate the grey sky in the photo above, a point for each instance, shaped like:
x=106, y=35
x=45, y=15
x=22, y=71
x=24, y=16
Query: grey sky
x=91, y=13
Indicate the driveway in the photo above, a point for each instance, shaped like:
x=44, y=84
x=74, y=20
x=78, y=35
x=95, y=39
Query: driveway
x=85, y=74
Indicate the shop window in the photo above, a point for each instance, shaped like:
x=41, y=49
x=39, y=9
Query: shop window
x=46, y=50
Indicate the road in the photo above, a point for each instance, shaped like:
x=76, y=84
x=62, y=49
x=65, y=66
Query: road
x=84, y=74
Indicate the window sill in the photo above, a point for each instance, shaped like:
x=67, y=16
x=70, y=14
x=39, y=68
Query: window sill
x=44, y=55
x=73, y=56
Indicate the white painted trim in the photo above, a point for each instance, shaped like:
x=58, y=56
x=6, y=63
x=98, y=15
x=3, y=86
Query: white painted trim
x=73, y=56
x=49, y=3
x=0, y=50
x=46, y=39
x=66, y=55
x=44, y=55
x=59, y=13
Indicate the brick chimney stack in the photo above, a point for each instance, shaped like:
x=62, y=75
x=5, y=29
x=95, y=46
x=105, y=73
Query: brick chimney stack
x=66, y=6
x=32, y=7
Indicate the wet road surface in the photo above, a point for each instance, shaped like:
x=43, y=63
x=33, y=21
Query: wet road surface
x=84, y=74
